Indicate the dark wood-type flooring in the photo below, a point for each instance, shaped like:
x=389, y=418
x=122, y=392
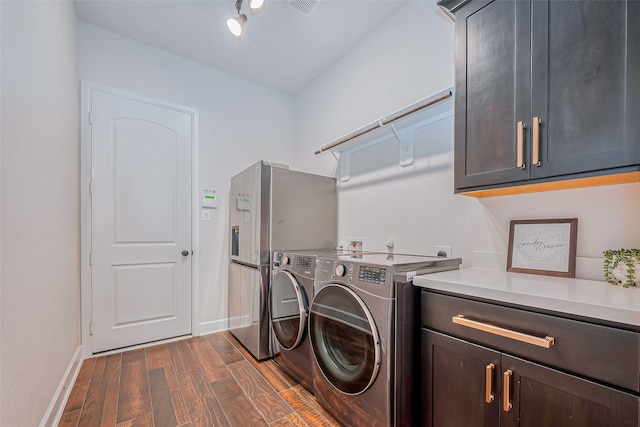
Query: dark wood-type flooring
x=202, y=381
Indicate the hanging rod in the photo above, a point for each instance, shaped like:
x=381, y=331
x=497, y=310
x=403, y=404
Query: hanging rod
x=427, y=102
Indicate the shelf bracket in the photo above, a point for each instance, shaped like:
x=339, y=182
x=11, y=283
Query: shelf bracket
x=398, y=137
x=345, y=166
x=405, y=138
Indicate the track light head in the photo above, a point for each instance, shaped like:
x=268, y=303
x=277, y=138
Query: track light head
x=256, y=6
x=235, y=24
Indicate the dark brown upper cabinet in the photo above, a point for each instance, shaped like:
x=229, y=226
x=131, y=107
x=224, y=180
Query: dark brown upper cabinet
x=546, y=91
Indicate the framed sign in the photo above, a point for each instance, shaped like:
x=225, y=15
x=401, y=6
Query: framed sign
x=543, y=246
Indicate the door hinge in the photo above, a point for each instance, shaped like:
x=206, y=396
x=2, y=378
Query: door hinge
x=90, y=258
x=91, y=328
x=90, y=118
x=90, y=188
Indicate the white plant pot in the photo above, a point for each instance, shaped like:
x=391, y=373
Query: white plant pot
x=620, y=272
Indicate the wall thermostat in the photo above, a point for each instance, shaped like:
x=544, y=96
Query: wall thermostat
x=209, y=199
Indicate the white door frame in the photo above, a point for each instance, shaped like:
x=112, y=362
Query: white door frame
x=86, y=90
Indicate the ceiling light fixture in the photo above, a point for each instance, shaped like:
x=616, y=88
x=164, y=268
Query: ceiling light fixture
x=256, y=6
x=236, y=24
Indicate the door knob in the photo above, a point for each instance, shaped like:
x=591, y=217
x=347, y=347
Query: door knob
x=185, y=253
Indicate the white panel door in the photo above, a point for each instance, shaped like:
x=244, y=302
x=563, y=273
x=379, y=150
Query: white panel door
x=140, y=222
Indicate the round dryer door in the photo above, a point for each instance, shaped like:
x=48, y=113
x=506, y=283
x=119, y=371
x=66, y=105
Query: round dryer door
x=289, y=310
x=344, y=339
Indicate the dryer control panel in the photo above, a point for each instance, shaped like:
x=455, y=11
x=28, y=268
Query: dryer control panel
x=370, y=274
x=362, y=273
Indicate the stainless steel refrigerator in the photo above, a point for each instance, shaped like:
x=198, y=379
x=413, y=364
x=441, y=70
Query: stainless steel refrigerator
x=272, y=208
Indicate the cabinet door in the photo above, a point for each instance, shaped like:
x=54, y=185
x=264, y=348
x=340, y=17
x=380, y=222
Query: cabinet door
x=581, y=58
x=454, y=375
x=492, y=91
x=542, y=396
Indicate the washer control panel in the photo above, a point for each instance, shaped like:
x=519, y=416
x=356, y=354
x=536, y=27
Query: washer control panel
x=304, y=262
x=371, y=274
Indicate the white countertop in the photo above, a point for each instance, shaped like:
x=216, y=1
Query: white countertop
x=586, y=298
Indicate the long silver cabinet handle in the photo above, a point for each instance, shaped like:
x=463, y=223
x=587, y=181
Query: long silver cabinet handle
x=545, y=342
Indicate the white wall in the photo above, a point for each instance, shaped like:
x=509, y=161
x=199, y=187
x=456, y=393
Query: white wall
x=40, y=206
x=406, y=59
x=240, y=123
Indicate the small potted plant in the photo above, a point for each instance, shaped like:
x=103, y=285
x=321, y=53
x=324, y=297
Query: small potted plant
x=622, y=266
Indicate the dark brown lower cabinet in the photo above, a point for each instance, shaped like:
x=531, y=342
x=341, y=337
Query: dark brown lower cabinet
x=469, y=385
x=453, y=379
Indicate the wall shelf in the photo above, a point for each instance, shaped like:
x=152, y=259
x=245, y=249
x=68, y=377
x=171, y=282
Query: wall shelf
x=400, y=125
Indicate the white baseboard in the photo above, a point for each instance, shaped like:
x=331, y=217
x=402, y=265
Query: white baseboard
x=54, y=411
x=213, y=326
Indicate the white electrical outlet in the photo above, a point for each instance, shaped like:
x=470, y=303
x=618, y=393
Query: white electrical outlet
x=448, y=251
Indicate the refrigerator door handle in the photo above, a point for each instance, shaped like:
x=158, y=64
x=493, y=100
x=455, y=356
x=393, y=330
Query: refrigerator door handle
x=235, y=240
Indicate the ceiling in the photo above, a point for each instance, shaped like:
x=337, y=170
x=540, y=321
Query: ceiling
x=281, y=48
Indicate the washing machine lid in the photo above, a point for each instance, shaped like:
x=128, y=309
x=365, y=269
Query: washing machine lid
x=289, y=310
x=344, y=339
